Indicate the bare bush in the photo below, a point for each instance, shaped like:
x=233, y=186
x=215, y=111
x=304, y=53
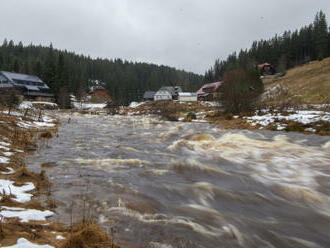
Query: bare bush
x=240, y=91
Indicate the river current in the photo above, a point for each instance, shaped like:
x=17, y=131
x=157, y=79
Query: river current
x=152, y=183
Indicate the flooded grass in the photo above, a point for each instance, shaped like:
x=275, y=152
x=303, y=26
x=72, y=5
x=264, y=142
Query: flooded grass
x=14, y=141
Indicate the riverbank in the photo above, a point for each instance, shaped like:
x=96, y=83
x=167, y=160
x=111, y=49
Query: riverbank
x=304, y=118
x=26, y=202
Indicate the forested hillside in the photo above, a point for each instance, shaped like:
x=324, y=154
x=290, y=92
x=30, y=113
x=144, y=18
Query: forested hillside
x=284, y=51
x=66, y=72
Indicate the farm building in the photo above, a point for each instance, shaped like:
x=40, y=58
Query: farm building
x=167, y=93
x=98, y=94
x=187, y=97
x=208, y=92
x=149, y=96
x=266, y=69
x=28, y=86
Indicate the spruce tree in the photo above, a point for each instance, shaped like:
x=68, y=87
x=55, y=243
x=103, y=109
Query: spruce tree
x=321, y=35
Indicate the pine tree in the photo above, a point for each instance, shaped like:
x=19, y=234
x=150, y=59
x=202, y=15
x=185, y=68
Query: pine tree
x=49, y=72
x=321, y=35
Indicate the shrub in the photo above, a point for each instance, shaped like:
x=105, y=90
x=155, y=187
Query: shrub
x=240, y=90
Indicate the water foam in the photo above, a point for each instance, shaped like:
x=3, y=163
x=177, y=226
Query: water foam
x=271, y=162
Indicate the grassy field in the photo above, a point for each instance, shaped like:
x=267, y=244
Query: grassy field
x=309, y=83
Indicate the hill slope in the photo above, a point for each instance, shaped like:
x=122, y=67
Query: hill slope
x=309, y=83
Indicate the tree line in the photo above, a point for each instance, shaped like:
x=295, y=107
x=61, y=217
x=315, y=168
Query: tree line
x=285, y=51
x=66, y=72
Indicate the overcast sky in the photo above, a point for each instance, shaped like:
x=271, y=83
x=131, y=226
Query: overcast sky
x=187, y=34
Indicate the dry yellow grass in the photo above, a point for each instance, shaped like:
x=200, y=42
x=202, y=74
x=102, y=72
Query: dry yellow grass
x=309, y=83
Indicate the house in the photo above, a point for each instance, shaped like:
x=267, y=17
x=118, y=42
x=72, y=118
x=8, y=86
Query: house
x=149, y=96
x=28, y=86
x=164, y=93
x=209, y=92
x=98, y=94
x=168, y=93
x=266, y=69
x=187, y=97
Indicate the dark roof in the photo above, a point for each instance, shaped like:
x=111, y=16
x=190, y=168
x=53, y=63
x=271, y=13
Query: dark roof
x=149, y=94
x=23, y=77
x=18, y=79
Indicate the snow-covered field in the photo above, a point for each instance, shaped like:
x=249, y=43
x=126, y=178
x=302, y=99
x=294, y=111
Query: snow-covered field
x=265, y=118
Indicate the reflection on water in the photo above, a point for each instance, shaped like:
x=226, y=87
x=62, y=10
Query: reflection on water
x=164, y=184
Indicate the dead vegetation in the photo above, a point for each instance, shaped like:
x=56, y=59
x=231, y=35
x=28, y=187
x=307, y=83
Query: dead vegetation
x=88, y=235
x=305, y=84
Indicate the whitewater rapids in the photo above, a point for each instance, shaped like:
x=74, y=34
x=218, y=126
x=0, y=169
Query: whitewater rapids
x=166, y=184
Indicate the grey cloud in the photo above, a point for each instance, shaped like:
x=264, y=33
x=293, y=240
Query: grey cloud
x=187, y=34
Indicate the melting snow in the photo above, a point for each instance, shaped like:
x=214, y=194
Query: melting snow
x=4, y=160
x=10, y=171
x=59, y=237
x=79, y=105
x=19, y=192
x=136, y=104
x=8, y=154
x=2, y=143
x=25, y=215
x=301, y=116
x=24, y=243
x=35, y=124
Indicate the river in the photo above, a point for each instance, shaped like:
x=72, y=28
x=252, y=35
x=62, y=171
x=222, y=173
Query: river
x=162, y=184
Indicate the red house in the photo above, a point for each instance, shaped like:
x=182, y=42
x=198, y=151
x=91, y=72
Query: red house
x=266, y=69
x=208, y=92
x=98, y=94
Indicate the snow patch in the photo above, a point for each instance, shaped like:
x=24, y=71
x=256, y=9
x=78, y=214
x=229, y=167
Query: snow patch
x=59, y=237
x=25, y=215
x=4, y=160
x=300, y=116
x=24, y=243
x=20, y=194
x=136, y=104
x=10, y=171
x=89, y=106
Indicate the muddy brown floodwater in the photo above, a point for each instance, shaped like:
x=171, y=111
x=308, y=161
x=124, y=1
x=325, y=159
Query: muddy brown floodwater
x=168, y=184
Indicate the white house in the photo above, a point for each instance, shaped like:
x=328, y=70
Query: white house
x=164, y=93
x=187, y=97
